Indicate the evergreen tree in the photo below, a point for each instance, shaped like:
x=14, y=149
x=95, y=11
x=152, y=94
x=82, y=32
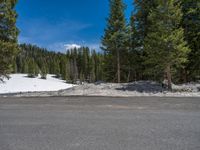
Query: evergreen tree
x=99, y=67
x=114, y=40
x=191, y=25
x=19, y=63
x=164, y=44
x=92, y=75
x=86, y=63
x=63, y=68
x=135, y=55
x=76, y=64
x=43, y=71
x=8, y=36
x=74, y=74
x=74, y=71
x=67, y=70
x=143, y=9
x=139, y=24
x=24, y=68
x=31, y=68
x=57, y=69
x=14, y=66
x=37, y=70
x=95, y=65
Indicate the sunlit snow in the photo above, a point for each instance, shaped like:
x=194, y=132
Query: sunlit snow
x=21, y=83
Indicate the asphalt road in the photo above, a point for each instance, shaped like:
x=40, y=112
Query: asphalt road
x=98, y=123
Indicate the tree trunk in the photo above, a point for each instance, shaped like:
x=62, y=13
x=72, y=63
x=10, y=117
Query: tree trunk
x=169, y=77
x=129, y=74
x=184, y=75
x=118, y=67
x=135, y=77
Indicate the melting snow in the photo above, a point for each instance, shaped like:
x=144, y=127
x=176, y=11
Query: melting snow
x=21, y=83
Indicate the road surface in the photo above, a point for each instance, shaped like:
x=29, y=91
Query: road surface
x=99, y=123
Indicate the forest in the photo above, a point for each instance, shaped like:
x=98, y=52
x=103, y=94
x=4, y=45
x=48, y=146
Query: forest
x=80, y=64
x=160, y=41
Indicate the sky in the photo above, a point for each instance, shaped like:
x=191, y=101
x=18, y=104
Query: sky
x=60, y=24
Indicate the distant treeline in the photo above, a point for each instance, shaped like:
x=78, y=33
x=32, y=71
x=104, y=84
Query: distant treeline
x=77, y=64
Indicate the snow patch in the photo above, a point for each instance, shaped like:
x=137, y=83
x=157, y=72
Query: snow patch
x=139, y=88
x=56, y=87
x=21, y=83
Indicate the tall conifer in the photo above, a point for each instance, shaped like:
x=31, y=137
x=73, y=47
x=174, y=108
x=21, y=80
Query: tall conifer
x=114, y=40
x=164, y=44
x=8, y=36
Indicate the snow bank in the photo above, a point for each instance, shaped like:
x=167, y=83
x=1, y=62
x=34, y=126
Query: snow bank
x=56, y=87
x=140, y=88
x=188, y=87
x=21, y=83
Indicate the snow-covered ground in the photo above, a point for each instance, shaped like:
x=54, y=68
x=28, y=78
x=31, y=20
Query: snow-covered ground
x=21, y=83
x=139, y=88
x=55, y=87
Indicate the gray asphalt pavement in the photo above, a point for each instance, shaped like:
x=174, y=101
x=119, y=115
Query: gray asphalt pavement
x=99, y=123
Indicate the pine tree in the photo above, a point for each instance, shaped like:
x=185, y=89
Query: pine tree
x=44, y=71
x=67, y=70
x=24, y=66
x=95, y=65
x=134, y=57
x=143, y=9
x=19, y=63
x=99, y=67
x=191, y=25
x=74, y=74
x=113, y=41
x=92, y=77
x=14, y=66
x=85, y=63
x=8, y=36
x=31, y=68
x=37, y=70
x=63, y=68
x=164, y=45
x=76, y=64
x=55, y=67
x=139, y=24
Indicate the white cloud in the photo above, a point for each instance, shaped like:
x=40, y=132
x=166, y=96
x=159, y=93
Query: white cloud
x=72, y=46
x=94, y=46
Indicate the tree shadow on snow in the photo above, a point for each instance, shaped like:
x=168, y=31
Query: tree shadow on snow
x=142, y=87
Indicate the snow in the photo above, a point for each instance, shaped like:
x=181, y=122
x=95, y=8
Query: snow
x=21, y=83
x=56, y=87
x=188, y=87
x=139, y=88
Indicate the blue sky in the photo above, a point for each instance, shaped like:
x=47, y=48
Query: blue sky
x=54, y=23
